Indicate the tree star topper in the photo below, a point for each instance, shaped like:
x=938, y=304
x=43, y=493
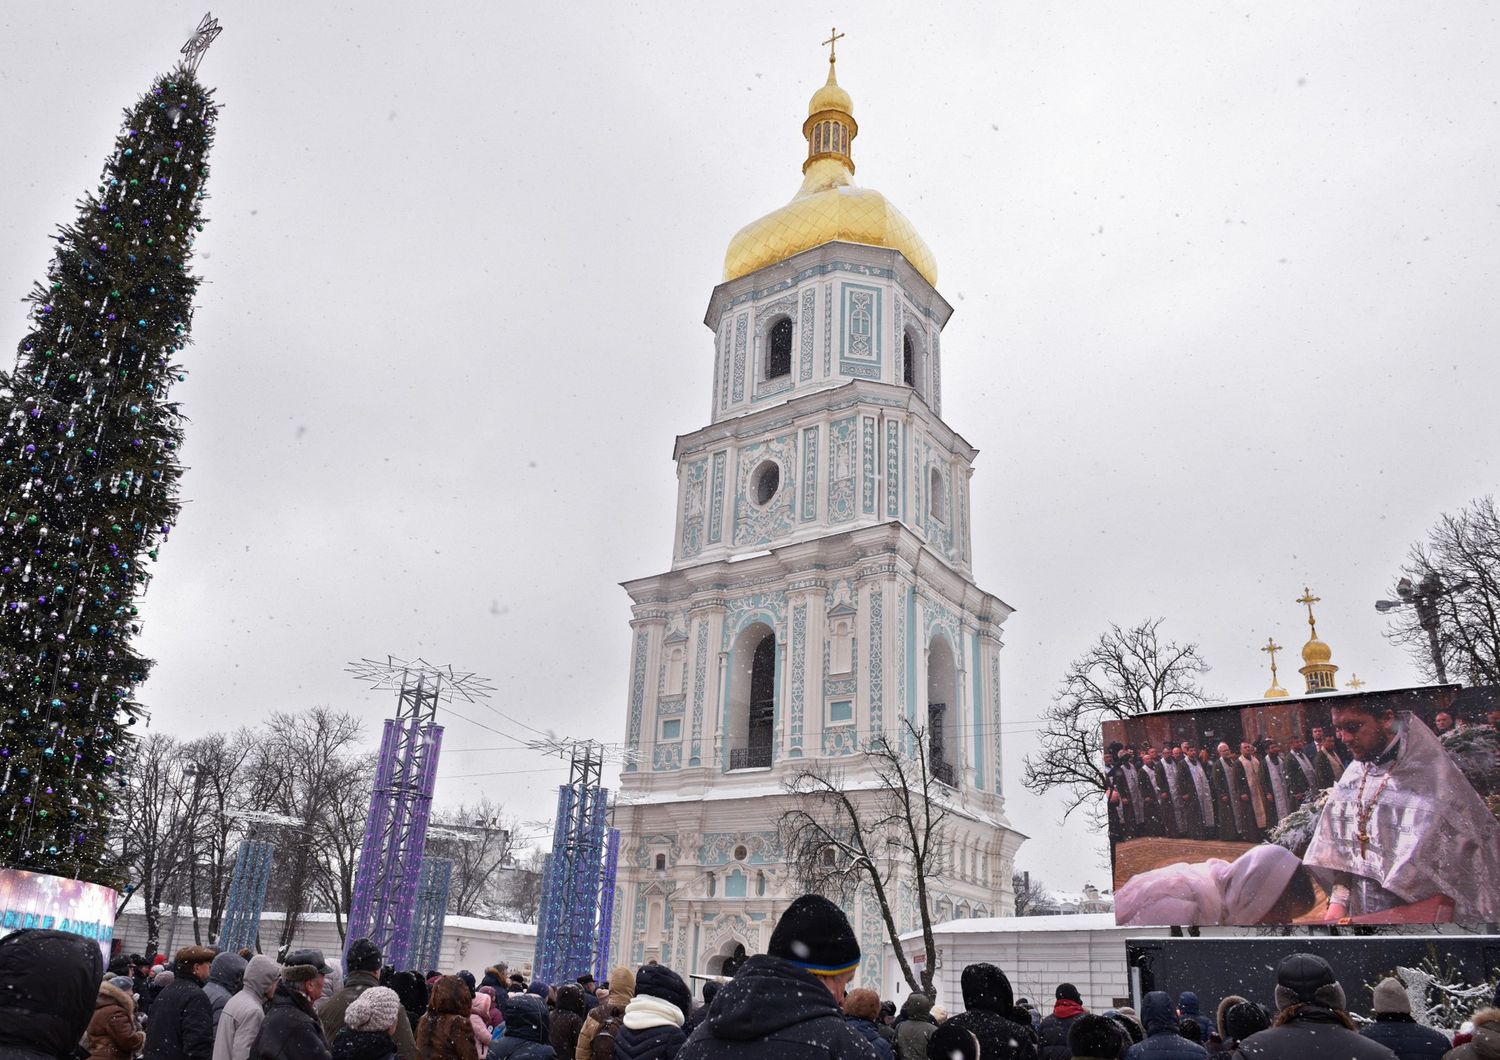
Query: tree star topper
x=208, y=30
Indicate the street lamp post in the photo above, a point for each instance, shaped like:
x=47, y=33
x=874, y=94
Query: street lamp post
x=1423, y=598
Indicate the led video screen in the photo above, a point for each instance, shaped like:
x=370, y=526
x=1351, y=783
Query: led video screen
x=1360, y=808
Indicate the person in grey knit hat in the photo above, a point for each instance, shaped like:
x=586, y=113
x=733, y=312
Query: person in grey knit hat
x=1395, y=1028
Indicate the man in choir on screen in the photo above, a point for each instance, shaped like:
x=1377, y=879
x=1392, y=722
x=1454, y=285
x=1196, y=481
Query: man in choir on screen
x=1403, y=834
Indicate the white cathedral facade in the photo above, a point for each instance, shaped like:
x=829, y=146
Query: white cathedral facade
x=820, y=589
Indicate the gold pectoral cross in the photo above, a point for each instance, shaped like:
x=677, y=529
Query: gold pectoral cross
x=1364, y=841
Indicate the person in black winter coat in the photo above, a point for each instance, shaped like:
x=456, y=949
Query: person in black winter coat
x=989, y=1008
x=291, y=1030
x=49, y=981
x=653, y=1019
x=1162, y=1042
x=1053, y=1033
x=1241, y=1020
x=1312, y=1021
x=699, y=1014
x=567, y=1019
x=1187, y=1007
x=1395, y=1029
x=1095, y=1038
x=525, y=1035
x=784, y=1004
x=181, y=1026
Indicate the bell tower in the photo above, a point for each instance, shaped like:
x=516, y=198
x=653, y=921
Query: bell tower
x=821, y=589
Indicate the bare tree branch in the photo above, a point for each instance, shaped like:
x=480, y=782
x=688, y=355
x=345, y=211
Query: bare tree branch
x=1127, y=672
x=840, y=838
x=1462, y=554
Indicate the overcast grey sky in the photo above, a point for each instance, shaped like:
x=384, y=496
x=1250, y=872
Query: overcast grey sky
x=1224, y=277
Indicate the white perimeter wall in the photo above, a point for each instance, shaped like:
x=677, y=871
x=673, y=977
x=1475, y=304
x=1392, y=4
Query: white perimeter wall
x=468, y=942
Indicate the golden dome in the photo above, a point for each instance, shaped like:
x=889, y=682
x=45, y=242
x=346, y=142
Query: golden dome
x=828, y=206
x=830, y=97
x=1315, y=651
x=1275, y=692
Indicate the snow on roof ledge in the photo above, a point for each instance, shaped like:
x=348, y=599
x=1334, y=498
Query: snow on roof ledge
x=1061, y=922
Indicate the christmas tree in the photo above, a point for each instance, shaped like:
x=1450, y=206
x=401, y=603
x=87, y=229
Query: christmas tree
x=89, y=469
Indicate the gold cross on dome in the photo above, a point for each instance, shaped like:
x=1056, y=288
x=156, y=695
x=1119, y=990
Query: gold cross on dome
x=1271, y=649
x=1355, y=683
x=1309, y=599
x=833, y=41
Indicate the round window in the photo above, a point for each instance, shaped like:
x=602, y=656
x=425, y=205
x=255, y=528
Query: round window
x=765, y=482
x=740, y=853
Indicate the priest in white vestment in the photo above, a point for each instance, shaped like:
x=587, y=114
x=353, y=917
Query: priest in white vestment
x=1403, y=826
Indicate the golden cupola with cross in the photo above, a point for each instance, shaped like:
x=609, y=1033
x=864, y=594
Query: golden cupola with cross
x=1317, y=657
x=829, y=206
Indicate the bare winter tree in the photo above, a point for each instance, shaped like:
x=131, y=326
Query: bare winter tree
x=303, y=768
x=521, y=891
x=156, y=832
x=338, y=831
x=1451, y=584
x=882, y=833
x=477, y=886
x=213, y=834
x=1127, y=672
x=1031, y=893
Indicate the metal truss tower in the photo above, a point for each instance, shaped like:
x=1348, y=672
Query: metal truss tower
x=431, y=911
x=247, y=895
x=607, y=905
x=568, y=929
x=390, y=861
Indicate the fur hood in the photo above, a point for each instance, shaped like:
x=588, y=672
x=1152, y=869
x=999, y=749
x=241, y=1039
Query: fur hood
x=113, y=995
x=1224, y=1006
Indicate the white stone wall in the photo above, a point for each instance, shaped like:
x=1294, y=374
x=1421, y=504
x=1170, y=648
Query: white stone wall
x=468, y=942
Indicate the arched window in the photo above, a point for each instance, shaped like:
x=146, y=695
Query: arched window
x=841, y=648
x=779, y=349
x=936, y=495
x=765, y=481
x=713, y=885
x=752, y=697
x=908, y=361
x=675, y=668
x=942, y=744
x=828, y=857
x=661, y=863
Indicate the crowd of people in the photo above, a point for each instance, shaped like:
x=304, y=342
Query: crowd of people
x=58, y=1002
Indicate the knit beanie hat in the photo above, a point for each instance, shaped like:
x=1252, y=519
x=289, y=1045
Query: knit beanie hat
x=1391, y=996
x=1093, y=1035
x=376, y=1009
x=1245, y=1019
x=363, y=956
x=814, y=934
x=1068, y=992
x=1304, y=978
x=657, y=980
